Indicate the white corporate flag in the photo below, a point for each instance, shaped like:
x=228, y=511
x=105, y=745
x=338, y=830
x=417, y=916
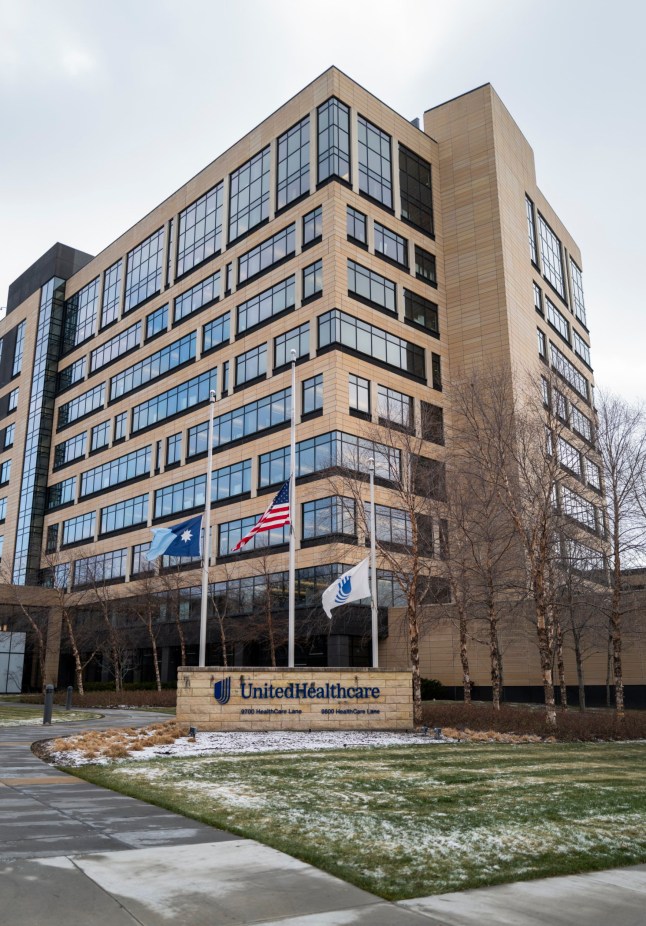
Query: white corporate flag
x=351, y=586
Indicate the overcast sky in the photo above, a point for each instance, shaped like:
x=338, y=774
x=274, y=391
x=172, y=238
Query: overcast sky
x=107, y=107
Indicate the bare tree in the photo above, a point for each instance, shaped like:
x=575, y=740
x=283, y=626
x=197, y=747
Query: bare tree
x=145, y=608
x=621, y=440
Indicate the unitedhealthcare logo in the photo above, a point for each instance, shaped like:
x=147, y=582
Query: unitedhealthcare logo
x=344, y=590
x=222, y=691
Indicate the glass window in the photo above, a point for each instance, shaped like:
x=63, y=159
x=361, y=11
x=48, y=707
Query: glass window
x=552, y=256
x=72, y=449
x=120, y=425
x=593, y=474
x=391, y=245
x=124, y=514
x=371, y=286
x=569, y=456
x=375, y=176
x=216, y=332
x=416, y=190
x=266, y=254
x=174, y=449
x=265, y=305
x=568, y=371
x=9, y=433
x=157, y=321
x=251, y=364
x=61, y=493
x=557, y=320
x=577, y=292
x=581, y=423
x=395, y=407
x=359, y=394
x=391, y=525
x=231, y=532
x=227, y=482
x=542, y=344
x=104, y=567
x=3, y=509
x=225, y=377
x=72, y=374
x=432, y=421
x=12, y=403
x=117, y=346
x=333, y=140
x=198, y=296
x=249, y=195
x=329, y=517
x=422, y=312
x=111, y=293
x=80, y=315
x=312, y=394
x=297, y=339
x=313, y=280
x=79, y=528
x=559, y=404
x=100, y=436
x=144, y=266
x=337, y=327
x=174, y=401
x=581, y=348
x=312, y=226
x=241, y=422
x=356, y=225
x=545, y=392
x=130, y=466
x=425, y=268
x=579, y=509
x=82, y=405
x=436, y=368
x=531, y=230
x=171, y=251
x=154, y=366
x=200, y=230
x=293, y=163
x=538, y=298
x=5, y=471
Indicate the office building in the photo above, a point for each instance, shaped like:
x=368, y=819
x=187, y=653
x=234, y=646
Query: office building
x=388, y=255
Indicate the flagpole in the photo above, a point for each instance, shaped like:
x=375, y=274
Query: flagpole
x=292, y=527
x=373, y=568
x=206, y=552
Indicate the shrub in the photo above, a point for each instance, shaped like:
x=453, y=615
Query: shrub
x=431, y=689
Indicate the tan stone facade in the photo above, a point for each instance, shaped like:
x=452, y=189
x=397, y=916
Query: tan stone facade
x=294, y=699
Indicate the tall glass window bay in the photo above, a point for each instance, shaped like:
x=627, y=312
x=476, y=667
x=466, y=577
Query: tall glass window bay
x=375, y=171
x=552, y=256
x=19, y=348
x=577, y=292
x=249, y=195
x=111, y=293
x=80, y=315
x=416, y=190
x=337, y=327
x=297, y=339
x=293, y=163
x=200, y=230
x=531, y=230
x=327, y=517
x=333, y=140
x=144, y=267
x=35, y=463
x=159, y=363
x=391, y=245
x=373, y=287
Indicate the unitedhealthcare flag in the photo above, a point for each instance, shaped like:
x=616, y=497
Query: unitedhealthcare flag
x=181, y=540
x=351, y=586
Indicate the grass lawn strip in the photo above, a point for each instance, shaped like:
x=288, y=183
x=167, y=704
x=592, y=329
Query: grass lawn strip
x=23, y=716
x=407, y=822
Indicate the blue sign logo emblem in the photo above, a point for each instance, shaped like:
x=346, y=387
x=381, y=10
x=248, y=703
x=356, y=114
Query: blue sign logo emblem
x=344, y=590
x=222, y=691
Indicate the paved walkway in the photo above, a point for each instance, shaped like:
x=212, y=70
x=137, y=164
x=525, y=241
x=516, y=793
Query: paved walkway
x=73, y=852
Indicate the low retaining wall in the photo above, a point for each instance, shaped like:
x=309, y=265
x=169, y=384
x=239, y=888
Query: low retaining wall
x=214, y=698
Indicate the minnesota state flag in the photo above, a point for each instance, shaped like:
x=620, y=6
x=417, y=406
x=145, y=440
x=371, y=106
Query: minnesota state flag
x=181, y=540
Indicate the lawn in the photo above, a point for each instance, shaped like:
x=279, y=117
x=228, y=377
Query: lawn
x=410, y=821
x=11, y=716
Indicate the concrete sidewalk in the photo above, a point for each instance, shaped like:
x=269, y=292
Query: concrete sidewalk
x=74, y=852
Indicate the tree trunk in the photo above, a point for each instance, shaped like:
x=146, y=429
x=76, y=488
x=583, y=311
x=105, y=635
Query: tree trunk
x=494, y=649
x=153, y=642
x=560, y=662
x=223, y=639
x=615, y=624
x=270, y=633
x=78, y=666
x=413, y=633
x=544, y=647
x=464, y=656
x=579, y=667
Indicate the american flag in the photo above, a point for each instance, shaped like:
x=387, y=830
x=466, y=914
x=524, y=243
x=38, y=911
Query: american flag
x=277, y=515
